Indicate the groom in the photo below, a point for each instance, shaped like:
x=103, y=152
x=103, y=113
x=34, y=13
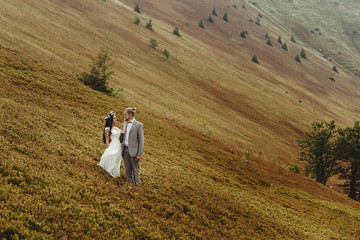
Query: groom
x=133, y=144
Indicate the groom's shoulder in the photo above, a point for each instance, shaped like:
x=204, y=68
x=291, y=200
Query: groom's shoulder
x=139, y=123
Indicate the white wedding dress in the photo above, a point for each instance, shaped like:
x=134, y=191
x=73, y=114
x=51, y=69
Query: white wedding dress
x=111, y=158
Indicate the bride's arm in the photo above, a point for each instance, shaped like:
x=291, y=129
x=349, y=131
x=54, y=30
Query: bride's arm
x=107, y=137
x=123, y=128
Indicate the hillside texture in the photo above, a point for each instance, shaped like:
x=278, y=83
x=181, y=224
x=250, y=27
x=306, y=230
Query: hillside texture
x=330, y=27
x=220, y=130
x=193, y=186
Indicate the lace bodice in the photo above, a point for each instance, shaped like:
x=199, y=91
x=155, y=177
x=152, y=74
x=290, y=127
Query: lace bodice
x=115, y=133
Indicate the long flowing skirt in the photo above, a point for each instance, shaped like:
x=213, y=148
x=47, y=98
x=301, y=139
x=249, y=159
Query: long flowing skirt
x=111, y=159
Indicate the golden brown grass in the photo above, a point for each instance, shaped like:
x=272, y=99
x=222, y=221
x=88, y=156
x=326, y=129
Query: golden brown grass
x=202, y=111
x=193, y=186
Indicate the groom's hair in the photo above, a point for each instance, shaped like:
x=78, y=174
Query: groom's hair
x=131, y=110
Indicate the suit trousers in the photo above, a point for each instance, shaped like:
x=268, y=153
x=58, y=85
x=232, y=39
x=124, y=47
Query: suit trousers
x=132, y=168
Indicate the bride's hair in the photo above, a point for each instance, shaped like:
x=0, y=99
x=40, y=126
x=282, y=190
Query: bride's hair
x=108, y=123
x=131, y=110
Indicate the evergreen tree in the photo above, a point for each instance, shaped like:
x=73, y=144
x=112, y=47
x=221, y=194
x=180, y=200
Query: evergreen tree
x=176, y=31
x=318, y=149
x=335, y=69
x=297, y=58
x=279, y=40
x=268, y=42
x=153, y=43
x=99, y=73
x=149, y=25
x=284, y=46
x=201, y=24
x=267, y=35
x=210, y=19
x=213, y=12
x=137, y=8
x=303, y=54
x=225, y=17
x=349, y=150
x=137, y=20
x=292, y=39
x=255, y=60
x=243, y=34
x=166, y=54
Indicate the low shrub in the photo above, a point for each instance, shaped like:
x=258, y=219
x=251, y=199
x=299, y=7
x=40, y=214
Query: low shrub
x=284, y=46
x=303, y=54
x=210, y=19
x=176, y=32
x=153, y=43
x=201, y=24
x=225, y=17
x=255, y=60
x=213, y=12
x=166, y=54
x=149, y=25
x=294, y=168
x=243, y=34
x=137, y=8
x=137, y=20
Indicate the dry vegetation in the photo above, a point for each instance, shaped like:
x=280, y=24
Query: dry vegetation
x=220, y=130
x=194, y=187
x=337, y=34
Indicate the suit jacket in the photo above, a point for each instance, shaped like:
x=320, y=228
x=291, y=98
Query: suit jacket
x=136, y=139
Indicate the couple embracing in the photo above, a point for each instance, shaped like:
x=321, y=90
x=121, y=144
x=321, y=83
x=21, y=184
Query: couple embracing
x=131, y=135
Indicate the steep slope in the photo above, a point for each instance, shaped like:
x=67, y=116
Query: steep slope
x=193, y=186
x=220, y=130
x=330, y=27
x=209, y=84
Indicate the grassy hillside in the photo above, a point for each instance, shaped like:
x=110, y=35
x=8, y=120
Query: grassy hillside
x=193, y=186
x=330, y=27
x=209, y=84
x=219, y=129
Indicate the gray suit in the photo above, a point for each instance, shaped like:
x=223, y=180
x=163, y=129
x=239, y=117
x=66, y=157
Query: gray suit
x=134, y=148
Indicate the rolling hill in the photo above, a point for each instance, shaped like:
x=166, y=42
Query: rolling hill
x=220, y=130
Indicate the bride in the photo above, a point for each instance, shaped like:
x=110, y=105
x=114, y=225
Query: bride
x=111, y=158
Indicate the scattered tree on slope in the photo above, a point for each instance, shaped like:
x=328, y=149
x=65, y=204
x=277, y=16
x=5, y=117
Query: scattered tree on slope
x=99, y=73
x=201, y=24
x=137, y=8
x=318, y=150
x=225, y=17
x=213, y=12
x=303, y=54
x=349, y=148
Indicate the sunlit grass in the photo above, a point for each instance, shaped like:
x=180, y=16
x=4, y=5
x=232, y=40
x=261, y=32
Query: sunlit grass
x=207, y=115
x=194, y=187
